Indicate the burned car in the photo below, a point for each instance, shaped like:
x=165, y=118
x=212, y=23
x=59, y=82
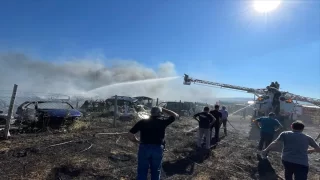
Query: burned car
x=146, y=101
x=41, y=114
x=3, y=119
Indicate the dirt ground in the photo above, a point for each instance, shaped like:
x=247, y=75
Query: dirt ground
x=86, y=155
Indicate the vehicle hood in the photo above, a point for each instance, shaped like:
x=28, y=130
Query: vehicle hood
x=61, y=112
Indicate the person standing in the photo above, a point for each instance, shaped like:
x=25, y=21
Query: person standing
x=268, y=126
x=217, y=115
x=205, y=122
x=224, y=118
x=295, y=151
x=152, y=133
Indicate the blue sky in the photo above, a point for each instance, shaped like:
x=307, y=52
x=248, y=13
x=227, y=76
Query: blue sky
x=224, y=40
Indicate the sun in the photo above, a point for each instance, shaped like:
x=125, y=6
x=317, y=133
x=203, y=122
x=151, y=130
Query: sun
x=264, y=6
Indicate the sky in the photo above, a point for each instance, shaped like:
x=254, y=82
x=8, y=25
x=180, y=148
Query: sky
x=224, y=41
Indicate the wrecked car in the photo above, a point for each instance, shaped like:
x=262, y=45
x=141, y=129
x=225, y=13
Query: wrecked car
x=146, y=101
x=3, y=119
x=122, y=100
x=41, y=114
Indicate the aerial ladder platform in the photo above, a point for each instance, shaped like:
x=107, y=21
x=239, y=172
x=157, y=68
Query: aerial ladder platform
x=258, y=92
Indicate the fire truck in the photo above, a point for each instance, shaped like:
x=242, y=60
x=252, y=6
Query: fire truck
x=285, y=105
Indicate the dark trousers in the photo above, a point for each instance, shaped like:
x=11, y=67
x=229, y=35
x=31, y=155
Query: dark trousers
x=224, y=123
x=149, y=155
x=299, y=171
x=216, y=131
x=265, y=140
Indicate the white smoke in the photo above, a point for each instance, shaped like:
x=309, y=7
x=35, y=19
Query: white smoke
x=79, y=76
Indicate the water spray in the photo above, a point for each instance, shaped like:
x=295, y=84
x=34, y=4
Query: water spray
x=135, y=82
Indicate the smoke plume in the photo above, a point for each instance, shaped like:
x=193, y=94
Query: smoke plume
x=91, y=77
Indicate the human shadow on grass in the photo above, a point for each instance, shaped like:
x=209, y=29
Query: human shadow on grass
x=265, y=169
x=185, y=165
x=213, y=143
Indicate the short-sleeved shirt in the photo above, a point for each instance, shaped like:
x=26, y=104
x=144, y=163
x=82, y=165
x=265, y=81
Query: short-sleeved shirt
x=268, y=125
x=205, y=119
x=224, y=114
x=216, y=114
x=295, y=147
x=152, y=131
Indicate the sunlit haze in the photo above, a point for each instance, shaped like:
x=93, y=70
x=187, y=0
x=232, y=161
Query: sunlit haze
x=265, y=6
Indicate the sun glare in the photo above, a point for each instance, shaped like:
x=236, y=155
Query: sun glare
x=264, y=6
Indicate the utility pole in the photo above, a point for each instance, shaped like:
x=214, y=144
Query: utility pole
x=10, y=112
x=115, y=110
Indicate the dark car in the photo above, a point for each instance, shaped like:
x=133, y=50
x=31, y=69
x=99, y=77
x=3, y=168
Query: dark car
x=40, y=114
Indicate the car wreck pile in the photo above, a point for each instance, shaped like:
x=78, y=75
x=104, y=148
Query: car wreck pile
x=41, y=115
x=140, y=106
x=34, y=116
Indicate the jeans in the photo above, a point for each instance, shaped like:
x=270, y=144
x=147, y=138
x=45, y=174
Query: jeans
x=149, y=155
x=204, y=132
x=265, y=139
x=299, y=171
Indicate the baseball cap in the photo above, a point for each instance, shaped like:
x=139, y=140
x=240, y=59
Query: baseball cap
x=156, y=111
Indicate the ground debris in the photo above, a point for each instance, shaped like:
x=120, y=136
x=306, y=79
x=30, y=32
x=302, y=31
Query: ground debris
x=81, y=155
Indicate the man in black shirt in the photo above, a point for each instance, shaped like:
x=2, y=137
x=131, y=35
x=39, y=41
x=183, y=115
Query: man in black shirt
x=205, y=122
x=152, y=132
x=218, y=115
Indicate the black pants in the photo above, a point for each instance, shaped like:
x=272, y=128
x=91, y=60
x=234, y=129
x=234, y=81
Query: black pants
x=299, y=171
x=216, y=131
x=224, y=123
x=265, y=140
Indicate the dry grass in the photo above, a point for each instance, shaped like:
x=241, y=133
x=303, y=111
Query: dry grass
x=30, y=156
x=78, y=126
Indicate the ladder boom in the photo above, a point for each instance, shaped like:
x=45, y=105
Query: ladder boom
x=258, y=92
x=303, y=99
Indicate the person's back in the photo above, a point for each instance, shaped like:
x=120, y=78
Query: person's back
x=217, y=115
x=268, y=124
x=205, y=119
x=224, y=118
x=295, y=147
x=224, y=113
x=152, y=130
x=152, y=133
x=295, y=151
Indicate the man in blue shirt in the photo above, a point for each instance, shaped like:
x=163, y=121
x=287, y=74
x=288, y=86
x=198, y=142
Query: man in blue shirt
x=268, y=126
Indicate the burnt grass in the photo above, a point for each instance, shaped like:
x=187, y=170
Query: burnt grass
x=86, y=155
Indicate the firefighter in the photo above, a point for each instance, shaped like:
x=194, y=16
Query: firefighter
x=224, y=118
x=152, y=133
